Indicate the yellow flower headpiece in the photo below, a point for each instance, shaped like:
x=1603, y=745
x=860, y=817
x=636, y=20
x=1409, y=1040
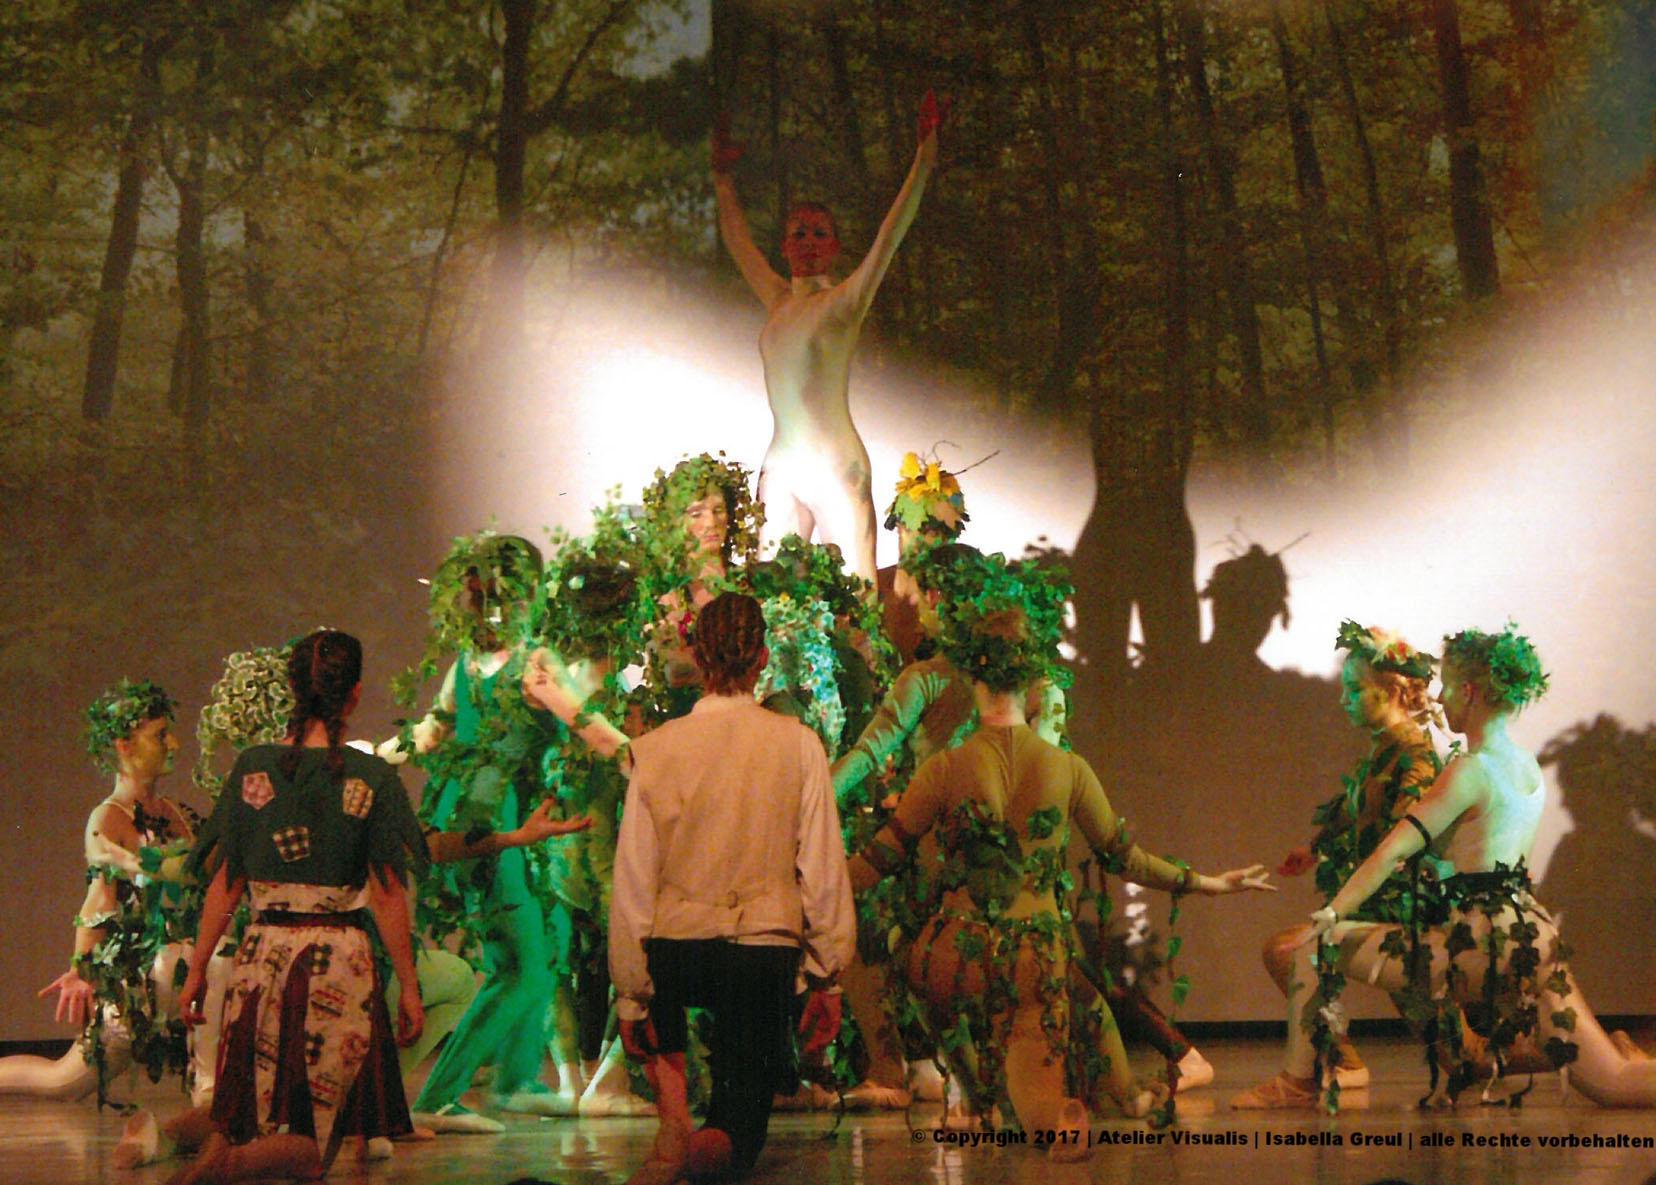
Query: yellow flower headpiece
x=927, y=496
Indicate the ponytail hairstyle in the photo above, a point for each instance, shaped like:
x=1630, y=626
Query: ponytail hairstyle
x=323, y=668
x=729, y=637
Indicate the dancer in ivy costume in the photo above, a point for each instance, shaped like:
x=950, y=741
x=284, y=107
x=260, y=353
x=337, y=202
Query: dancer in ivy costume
x=479, y=598
x=1385, y=685
x=993, y=965
x=815, y=477
x=121, y=980
x=1481, y=935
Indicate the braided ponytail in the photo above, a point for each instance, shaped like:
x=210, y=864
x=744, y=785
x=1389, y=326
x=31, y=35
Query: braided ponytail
x=729, y=638
x=323, y=669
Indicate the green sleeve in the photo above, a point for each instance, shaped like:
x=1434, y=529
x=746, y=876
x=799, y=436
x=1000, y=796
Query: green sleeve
x=896, y=718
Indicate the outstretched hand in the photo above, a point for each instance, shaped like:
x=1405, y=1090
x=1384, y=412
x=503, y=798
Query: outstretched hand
x=75, y=997
x=539, y=824
x=726, y=152
x=1239, y=880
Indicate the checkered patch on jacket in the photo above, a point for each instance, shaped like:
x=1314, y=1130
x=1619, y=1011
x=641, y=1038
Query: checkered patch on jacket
x=292, y=843
x=358, y=797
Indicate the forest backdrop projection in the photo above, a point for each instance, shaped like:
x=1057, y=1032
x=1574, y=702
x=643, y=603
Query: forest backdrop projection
x=1359, y=293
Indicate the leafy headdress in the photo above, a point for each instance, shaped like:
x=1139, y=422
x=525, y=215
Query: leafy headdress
x=671, y=494
x=1003, y=619
x=594, y=597
x=928, y=498
x=120, y=709
x=1507, y=660
x=1383, y=650
x=249, y=705
x=507, y=572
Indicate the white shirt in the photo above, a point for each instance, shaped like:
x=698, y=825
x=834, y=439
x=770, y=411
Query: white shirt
x=729, y=831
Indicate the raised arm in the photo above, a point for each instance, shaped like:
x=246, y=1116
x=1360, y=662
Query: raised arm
x=863, y=283
x=733, y=228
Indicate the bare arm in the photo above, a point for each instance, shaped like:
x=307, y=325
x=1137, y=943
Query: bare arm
x=448, y=846
x=388, y=902
x=223, y=895
x=923, y=801
x=733, y=228
x=863, y=283
x=546, y=681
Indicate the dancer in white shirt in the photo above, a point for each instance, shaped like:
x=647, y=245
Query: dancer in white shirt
x=815, y=475
x=729, y=869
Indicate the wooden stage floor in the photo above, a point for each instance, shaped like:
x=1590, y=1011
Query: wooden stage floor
x=63, y=1143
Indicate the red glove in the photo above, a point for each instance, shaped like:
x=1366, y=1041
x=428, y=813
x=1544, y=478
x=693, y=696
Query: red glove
x=638, y=1038
x=820, y=1023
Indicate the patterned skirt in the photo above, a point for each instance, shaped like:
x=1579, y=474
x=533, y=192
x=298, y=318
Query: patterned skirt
x=307, y=1046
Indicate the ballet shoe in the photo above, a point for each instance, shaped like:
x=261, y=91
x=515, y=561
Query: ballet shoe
x=710, y=1153
x=1349, y=1071
x=454, y=1120
x=415, y=1135
x=668, y=1160
x=1349, y=1077
x=545, y=1103
x=1194, y=1070
x=876, y=1096
x=1627, y=1048
x=607, y=1105
x=1143, y=1099
x=140, y=1142
x=1072, y=1117
x=1275, y=1094
x=925, y=1082
x=375, y=1148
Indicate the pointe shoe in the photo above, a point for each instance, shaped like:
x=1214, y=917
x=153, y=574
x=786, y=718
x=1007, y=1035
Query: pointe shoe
x=454, y=1120
x=545, y=1103
x=140, y=1142
x=1275, y=1094
x=1194, y=1070
x=876, y=1096
x=1072, y=1117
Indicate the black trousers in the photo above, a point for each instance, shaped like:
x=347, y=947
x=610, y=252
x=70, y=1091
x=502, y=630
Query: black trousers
x=749, y=992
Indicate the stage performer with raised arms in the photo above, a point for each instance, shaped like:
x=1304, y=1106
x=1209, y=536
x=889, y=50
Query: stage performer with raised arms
x=816, y=476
